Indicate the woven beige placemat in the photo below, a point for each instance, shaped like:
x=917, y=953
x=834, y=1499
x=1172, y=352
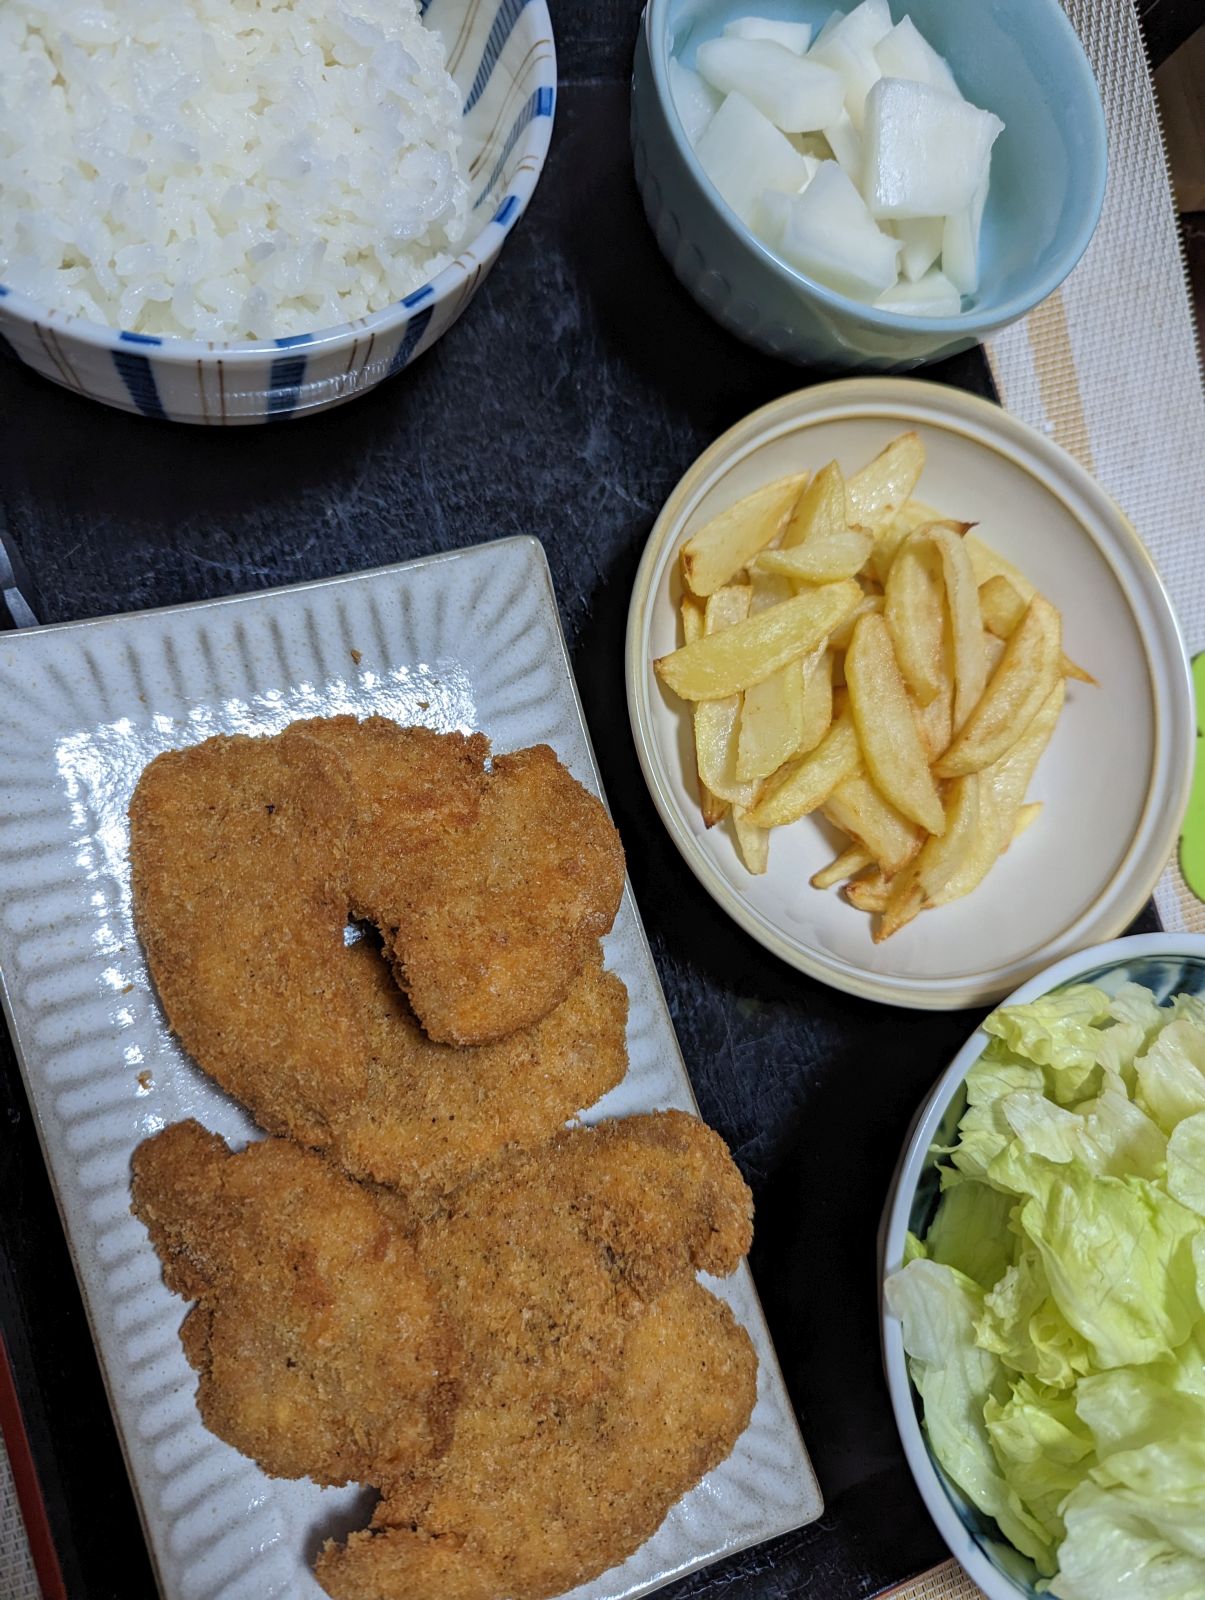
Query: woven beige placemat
x=1108, y=366
x=18, y=1581
x=948, y=1582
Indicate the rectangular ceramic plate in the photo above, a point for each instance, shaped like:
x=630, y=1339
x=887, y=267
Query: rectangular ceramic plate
x=462, y=641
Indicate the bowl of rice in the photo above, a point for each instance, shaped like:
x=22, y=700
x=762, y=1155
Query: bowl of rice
x=241, y=211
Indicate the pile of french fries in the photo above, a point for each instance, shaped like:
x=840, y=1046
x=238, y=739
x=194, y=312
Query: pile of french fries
x=850, y=651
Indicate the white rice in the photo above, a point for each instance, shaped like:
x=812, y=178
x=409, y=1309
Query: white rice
x=225, y=169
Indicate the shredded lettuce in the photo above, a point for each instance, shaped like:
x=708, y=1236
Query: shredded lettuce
x=1054, y=1312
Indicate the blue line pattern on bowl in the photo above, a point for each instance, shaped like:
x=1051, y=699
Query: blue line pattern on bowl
x=1164, y=976
x=415, y=329
x=501, y=29
x=139, y=378
x=503, y=62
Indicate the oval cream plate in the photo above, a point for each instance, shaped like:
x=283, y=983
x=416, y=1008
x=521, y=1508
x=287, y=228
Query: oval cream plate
x=1114, y=781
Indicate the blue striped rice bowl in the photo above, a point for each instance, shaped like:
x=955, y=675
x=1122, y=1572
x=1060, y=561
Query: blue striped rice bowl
x=502, y=59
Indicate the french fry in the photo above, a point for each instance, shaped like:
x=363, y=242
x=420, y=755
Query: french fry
x=726, y=663
x=839, y=638
x=987, y=563
x=712, y=807
x=717, y=722
x=848, y=863
x=876, y=493
x=870, y=894
x=914, y=610
x=768, y=589
x=1003, y=606
x=938, y=860
x=966, y=625
x=1027, y=672
x=857, y=808
x=887, y=733
x=914, y=514
x=993, y=652
x=1002, y=789
x=820, y=512
x=935, y=722
x=805, y=784
x=817, y=700
x=820, y=560
x=1026, y=817
x=753, y=842
x=771, y=724
x=714, y=555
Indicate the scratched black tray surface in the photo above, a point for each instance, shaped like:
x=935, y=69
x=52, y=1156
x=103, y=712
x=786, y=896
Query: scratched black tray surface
x=568, y=401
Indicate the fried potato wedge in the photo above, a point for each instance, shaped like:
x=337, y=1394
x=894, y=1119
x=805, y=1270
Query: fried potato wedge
x=1003, y=606
x=728, y=662
x=849, y=862
x=714, y=555
x=712, y=807
x=840, y=636
x=1002, y=789
x=804, y=785
x=877, y=493
x=988, y=563
x=887, y=733
x=771, y=724
x=1028, y=670
x=1026, y=817
x=911, y=516
x=857, y=808
x=717, y=722
x=871, y=893
x=821, y=510
x=817, y=700
x=752, y=842
x=915, y=611
x=821, y=559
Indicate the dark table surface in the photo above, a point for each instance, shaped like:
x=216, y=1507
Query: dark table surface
x=566, y=403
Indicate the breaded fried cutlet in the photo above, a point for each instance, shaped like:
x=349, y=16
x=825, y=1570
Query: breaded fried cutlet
x=490, y=888
x=320, y=1342
x=243, y=856
x=600, y=1381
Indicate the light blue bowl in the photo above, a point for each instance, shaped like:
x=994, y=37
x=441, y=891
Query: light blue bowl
x=1018, y=58
x=501, y=56
x=1166, y=964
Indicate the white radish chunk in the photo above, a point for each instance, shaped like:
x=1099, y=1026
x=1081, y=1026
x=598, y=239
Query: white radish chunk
x=742, y=152
x=773, y=208
x=859, y=73
x=770, y=216
x=695, y=102
x=797, y=95
x=921, y=238
x=845, y=142
x=960, y=243
x=832, y=237
x=795, y=36
x=926, y=153
x=849, y=50
x=931, y=296
x=836, y=18
x=906, y=53
x=864, y=26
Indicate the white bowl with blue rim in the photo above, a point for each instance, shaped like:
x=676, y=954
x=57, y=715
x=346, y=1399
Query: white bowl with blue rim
x=502, y=59
x=1165, y=963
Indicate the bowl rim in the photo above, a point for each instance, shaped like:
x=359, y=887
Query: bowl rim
x=911, y=401
x=531, y=151
x=897, y=1212
x=656, y=31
